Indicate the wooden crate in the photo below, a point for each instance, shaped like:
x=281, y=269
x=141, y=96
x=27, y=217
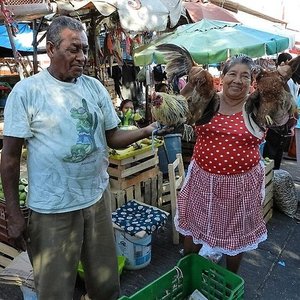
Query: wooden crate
x=268, y=201
x=7, y=254
x=147, y=191
x=131, y=171
x=164, y=202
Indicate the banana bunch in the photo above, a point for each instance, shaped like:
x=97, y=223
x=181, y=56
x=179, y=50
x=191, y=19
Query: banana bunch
x=23, y=189
x=142, y=144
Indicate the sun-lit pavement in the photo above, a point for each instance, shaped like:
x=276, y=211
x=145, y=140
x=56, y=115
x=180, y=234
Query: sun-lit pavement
x=273, y=270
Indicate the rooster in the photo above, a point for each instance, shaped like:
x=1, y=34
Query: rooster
x=271, y=103
x=169, y=110
x=204, y=101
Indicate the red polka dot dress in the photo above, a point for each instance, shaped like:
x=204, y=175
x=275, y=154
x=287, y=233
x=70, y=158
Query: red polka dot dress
x=220, y=202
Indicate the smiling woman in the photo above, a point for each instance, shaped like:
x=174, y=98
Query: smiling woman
x=219, y=206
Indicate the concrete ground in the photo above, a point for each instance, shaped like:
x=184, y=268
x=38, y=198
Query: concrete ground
x=273, y=270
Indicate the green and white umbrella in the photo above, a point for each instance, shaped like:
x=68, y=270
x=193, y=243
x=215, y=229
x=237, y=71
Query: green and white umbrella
x=212, y=41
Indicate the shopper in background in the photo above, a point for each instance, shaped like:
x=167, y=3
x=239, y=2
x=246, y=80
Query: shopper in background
x=278, y=137
x=67, y=120
x=220, y=203
x=128, y=115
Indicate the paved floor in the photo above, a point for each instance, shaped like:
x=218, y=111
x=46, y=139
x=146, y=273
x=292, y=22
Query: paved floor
x=270, y=272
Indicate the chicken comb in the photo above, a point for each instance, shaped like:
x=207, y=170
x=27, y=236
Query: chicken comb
x=179, y=60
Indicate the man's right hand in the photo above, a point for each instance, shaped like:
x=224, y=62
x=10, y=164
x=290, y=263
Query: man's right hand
x=16, y=227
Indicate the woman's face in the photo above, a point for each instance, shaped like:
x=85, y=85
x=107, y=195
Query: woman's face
x=237, y=81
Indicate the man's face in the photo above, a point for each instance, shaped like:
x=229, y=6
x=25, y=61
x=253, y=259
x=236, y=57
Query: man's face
x=69, y=57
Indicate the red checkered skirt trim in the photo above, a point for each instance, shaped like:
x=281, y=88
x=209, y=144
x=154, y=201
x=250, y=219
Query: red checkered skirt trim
x=223, y=212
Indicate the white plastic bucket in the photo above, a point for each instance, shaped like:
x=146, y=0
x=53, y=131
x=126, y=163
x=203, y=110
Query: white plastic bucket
x=136, y=250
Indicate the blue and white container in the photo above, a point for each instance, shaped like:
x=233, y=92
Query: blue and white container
x=136, y=250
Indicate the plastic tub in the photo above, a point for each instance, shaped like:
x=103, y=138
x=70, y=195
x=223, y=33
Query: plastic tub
x=136, y=250
x=167, y=152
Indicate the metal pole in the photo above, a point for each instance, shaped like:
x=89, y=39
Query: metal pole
x=35, y=44
x=8, y=25
x=14, y=50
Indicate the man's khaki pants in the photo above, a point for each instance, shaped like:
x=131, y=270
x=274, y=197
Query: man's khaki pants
x=58, y=241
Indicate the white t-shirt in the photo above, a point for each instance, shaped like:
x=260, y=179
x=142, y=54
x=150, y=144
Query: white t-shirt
x=64, y=125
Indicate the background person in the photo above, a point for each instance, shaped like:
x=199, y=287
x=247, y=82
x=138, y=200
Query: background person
x=220, y=203
x=67, y=120
x=128, y=115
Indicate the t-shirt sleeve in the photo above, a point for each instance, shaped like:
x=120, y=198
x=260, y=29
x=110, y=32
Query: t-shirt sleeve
x=16, y=116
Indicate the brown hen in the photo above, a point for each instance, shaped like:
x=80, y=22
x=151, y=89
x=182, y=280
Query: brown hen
x=204, y=101
x=271, y=103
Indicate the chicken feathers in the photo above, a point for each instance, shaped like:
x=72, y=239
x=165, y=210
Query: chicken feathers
x=169, y=110
x=272, y=103
x=204, y=101
x=179, y=60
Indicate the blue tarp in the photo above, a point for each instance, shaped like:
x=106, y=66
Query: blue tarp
x=23, y=39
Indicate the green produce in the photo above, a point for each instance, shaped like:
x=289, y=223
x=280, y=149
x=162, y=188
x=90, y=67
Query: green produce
x=22, y=196
x=21, y=187
x=23, y=181
x=23, y=190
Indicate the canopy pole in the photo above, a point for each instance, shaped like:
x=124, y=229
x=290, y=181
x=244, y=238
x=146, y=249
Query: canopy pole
x=34, y=44
x=8, y=25
x=14, y=50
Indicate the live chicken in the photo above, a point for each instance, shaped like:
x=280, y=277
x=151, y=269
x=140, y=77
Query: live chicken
x=204, y=101
x=169, y=110
x=271, y=103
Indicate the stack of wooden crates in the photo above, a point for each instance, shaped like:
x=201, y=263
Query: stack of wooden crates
x=135, y=177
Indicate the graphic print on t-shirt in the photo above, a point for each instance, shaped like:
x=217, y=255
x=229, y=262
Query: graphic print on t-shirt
x=85, y=126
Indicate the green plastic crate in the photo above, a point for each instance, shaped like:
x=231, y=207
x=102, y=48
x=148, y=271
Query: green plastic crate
x=193, y=272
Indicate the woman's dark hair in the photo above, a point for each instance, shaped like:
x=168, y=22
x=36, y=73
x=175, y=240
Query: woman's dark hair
x=238, y=59
x=60, y=23
x=124, y=102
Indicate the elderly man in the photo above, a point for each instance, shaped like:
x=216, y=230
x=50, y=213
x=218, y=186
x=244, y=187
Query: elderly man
x=67, y=120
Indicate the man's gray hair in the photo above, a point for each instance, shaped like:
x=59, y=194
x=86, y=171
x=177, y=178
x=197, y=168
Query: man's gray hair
x=60, y=23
